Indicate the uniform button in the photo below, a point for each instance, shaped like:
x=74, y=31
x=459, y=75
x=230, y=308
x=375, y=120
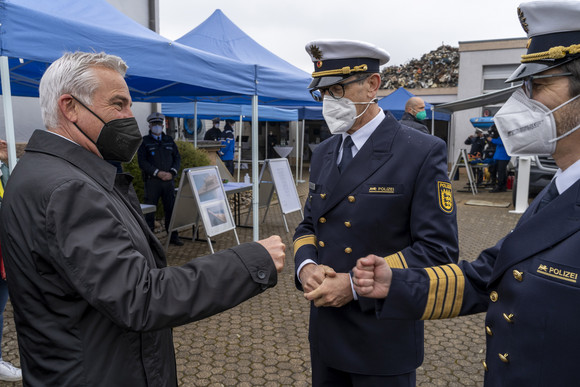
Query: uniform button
x=504, y=357
x=321, y=243
x=347, y=224
x=509, y=317
x=261, y=274
x=493, y=296
x=348, y=250
x=351, y=199
x=322, y=220
x=488, y=331
x=484, y=365
x=323, y=196
x=518, y=275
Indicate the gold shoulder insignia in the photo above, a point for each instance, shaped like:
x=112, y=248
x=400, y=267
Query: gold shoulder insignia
x=315, y=51
x=523, y=20
x=445, y=192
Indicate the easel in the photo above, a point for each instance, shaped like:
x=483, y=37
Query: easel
x=280, y=181
x=463, y=161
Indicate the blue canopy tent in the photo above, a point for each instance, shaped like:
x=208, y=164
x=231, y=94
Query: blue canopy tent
x=209, y=110
x=395, y=103
x=35, y=33
x=278, y=82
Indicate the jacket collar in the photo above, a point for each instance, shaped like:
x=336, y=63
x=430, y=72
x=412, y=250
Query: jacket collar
x=540, y=230
x=52, y=144
x=374, y=153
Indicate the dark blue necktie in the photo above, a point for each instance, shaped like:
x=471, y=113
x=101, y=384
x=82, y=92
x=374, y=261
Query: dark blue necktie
x=550, y=194
x=346, y=154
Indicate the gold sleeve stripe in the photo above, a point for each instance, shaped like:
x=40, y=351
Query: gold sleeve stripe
x=446, y=287
x=460, y=289
x=304, y=240
x=440, y=293
x=432, y=292
x=394, y=261
x=450, y=295
x=403, y=261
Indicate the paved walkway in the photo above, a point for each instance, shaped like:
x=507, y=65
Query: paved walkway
x=263, y=342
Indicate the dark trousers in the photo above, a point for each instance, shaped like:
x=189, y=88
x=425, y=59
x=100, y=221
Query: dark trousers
x=501, y=173
x=229, y=165
x=154, y=190
x=324, y=376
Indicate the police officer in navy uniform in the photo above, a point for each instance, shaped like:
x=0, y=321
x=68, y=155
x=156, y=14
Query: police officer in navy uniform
x=159, y=161
x=529, y=282
x=379, y=187
x=213, y=134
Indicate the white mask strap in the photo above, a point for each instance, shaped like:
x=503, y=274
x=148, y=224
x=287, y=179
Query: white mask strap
x=571, y=130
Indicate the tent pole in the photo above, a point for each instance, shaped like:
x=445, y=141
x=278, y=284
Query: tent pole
x=8, y=112
x=302, y=158
x=297, y=143
x=240, y=129
x=195, y=124
x=255, y=172
x=432, y=120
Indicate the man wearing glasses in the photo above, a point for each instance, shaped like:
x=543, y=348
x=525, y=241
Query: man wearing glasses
x=529, y=282
x=375, y=187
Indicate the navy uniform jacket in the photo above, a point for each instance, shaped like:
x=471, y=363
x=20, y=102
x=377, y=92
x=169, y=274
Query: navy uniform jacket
x=529, y=285
x=154, y=155
x=393, y=200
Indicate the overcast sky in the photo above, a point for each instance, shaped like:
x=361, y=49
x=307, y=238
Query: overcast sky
x=406, y=29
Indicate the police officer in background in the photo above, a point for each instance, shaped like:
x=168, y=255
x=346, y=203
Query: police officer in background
x=529, y=282
x=229, y=142
x=375, y=186
x=213, y=134
x=159, y=161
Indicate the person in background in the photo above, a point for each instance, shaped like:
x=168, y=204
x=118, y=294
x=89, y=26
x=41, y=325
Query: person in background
x=415, y=115
x=229, y=142
x=159, y=161
x=272, y=142
x=94, y=300
x=501, y=159
x=213, y=134
x=477, y=142
x=375, y=186
x=528, y=283
x=8, y=372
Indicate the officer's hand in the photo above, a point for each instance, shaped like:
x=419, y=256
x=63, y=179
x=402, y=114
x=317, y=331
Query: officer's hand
x=165, y=176
x=334, y=291
x=372, y=277
x=312, y=275
x=276, y=249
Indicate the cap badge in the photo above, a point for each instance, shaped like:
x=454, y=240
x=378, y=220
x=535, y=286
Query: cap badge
x=315, y=52
x=523, y=20
x=319, y=64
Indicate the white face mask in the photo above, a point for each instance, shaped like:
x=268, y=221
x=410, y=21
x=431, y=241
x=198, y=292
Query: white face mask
x=340, y=114
x=527, y=127
x=157, y=129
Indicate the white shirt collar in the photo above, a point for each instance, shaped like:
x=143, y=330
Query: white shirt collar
x=565, y=179
x=362, y=135
x=60, y=135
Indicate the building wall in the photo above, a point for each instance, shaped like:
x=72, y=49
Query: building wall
x=26, y=110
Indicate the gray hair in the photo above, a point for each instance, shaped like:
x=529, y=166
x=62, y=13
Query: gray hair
x=73, y=74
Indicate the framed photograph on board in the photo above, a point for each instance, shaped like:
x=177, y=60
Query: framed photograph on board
x=212, y=200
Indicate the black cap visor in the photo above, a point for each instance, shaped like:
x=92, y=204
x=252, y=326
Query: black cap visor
x=533, y=68
x=327, y=81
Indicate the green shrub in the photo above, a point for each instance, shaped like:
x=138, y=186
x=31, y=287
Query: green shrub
x=191, y=157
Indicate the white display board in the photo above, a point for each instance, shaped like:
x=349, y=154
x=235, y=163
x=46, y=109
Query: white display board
x=284, y=184
x=201, y=194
